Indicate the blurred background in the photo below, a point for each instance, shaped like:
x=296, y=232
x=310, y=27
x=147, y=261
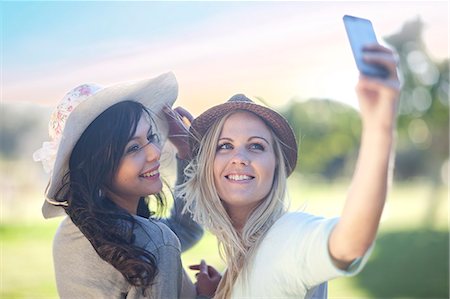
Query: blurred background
x=292, y=56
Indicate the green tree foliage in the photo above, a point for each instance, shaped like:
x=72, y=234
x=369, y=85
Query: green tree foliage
x=423, y=125
x=328, y=136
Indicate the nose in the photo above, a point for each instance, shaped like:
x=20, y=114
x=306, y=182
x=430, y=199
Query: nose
x=240, y=158
x=152, y=152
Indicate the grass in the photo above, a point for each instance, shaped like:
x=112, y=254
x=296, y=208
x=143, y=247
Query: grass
x=408, y=264
x=26, y=261
x=410, y=259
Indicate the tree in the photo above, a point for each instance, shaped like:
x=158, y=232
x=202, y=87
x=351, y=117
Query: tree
x=423, y=121
x=328, y=135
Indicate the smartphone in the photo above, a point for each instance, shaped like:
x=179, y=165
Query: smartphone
x=360, y=32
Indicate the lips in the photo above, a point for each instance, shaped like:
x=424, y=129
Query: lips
x=239, y=177
x=150, y=173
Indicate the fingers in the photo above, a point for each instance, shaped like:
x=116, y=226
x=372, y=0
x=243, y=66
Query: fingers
x=207, y=279
x=179, y=115
x=376, y=47
x=213, y=273
x=203, y=267
x=184, y=114
x=171, y=115
x=194, y=267
x=366, y=83
x=386, y=60
x=377, y=54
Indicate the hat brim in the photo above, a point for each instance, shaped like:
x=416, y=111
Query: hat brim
x=273, y=119
x=155, y=94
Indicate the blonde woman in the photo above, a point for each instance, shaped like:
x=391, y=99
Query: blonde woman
x=236, y=188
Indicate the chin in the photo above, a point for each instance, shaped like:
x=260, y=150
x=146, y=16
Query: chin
x=154, y=191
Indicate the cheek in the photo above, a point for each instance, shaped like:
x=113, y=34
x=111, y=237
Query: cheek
x=217, y=168
x=125, y=171
x=118, y=179
x=269, y=170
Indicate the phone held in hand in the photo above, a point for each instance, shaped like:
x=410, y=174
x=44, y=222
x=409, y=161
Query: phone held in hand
x=360, y=33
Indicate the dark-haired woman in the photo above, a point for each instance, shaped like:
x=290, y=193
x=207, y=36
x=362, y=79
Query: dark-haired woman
x=104, y=159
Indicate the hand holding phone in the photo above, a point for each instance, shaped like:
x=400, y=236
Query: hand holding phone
x=360, y=33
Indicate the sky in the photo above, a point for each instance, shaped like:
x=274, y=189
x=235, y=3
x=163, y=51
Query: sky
x=272, y=50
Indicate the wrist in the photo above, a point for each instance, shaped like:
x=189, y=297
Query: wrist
x=183, y=156
x=379, y=129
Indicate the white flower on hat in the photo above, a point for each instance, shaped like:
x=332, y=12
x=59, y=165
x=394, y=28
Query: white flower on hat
x=47, y=153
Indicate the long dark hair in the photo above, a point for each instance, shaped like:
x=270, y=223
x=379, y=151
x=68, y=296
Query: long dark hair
x=93, y=164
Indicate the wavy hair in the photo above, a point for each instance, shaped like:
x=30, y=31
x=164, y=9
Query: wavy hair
x=202, y=200
x=92, y=166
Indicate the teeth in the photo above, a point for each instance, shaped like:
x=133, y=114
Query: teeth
x=239, y=177
x=149, y=174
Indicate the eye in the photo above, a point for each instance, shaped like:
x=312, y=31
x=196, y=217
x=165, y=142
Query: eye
x=133, y=148
x=224, y=146
x=257, y=147
x=153, y=138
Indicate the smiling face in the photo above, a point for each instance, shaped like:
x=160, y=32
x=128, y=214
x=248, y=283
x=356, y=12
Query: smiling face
x=138, y=172
x=244, y=163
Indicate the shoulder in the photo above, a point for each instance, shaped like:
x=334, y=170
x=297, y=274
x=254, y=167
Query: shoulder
x=297, y=227
x=295, y=238
x=67, y=232
x=74, y=258
x=152, y=234
x=298, y=217
x=297, y=220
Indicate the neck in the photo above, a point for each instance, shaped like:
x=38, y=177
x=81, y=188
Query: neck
x=238, y=224
x=238, y=217
x=130, y=205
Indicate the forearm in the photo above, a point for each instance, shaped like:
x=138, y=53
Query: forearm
x=360, y=217
x=182, y=224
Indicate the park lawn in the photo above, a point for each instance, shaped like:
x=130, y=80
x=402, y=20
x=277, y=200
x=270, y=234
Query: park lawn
x=26, y=260
x=410, y=258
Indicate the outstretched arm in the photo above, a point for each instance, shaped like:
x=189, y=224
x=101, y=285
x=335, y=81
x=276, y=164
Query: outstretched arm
x=378, y=100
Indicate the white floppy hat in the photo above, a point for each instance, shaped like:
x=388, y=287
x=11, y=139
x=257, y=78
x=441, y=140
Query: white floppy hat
x=79, y=108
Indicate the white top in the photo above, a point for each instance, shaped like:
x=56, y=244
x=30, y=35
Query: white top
x=293, y=260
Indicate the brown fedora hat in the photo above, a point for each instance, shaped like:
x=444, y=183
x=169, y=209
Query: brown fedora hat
x=273, y=119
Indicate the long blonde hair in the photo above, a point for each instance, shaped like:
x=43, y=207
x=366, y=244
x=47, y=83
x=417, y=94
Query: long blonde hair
x=202, y=200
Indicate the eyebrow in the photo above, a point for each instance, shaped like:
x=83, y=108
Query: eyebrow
x=135, y=137
x=250, y=138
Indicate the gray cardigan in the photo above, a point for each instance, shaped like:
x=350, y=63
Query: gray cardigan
x=81, y=273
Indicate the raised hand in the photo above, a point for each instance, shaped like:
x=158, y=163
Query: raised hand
x=179, y=122
x=208, y=279
x=378, y=97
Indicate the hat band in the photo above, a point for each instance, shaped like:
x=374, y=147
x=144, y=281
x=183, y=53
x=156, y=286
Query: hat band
x=57, y=203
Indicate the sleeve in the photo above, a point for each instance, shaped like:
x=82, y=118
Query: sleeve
x=187, y=230
x=317, y=261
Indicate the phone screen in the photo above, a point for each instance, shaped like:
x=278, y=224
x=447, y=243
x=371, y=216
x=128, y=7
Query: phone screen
x=360, y=32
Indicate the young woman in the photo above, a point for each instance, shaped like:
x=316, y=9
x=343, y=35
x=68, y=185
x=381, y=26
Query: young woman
x=236, y=187
x=106, y=150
